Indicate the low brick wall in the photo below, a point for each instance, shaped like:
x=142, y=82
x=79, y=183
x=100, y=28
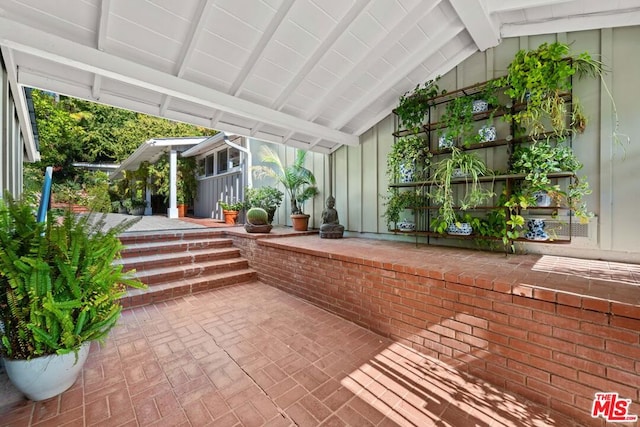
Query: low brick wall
x=554, y=348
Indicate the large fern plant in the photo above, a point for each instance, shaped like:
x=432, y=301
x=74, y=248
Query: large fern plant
x=58, y=285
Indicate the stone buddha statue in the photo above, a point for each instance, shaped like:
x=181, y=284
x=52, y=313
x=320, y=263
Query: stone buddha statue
x=331, y=228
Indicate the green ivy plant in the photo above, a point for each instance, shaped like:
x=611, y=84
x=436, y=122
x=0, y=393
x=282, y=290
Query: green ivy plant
x=399, y=200
x=458, y=120
x=408, y=152
x=59, y=286
x=413, y=106
x=539, y=79
x=539, y=159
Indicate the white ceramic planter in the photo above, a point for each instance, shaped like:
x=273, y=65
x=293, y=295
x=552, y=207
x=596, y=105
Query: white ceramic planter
x=46, y=376
x=460, y=229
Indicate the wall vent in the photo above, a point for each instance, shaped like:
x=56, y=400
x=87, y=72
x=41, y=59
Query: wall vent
x=581, y=234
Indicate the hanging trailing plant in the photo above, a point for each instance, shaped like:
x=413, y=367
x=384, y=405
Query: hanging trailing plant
x=413, y=105
x=541, y=80
x=466, y=165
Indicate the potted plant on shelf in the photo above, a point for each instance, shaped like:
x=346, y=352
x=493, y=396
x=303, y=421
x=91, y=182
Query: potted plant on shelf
x=461, y=113
x=267, y=197
x=540, y=79
x=460, y=165
x=397, y=201
x=413, y=106
x=298, y=181
x=537, y=160
x=59, y=290
x=409, y=159
x=231, y=210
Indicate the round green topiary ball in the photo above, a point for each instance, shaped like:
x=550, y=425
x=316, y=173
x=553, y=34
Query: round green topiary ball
x=257, y=216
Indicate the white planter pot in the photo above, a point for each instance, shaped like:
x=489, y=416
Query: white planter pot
x=46, y=376
x=542, y=198
x=480, y=106
x=487, y=133
x=406, y=226
x=536, y=230
x=444, y=142
x=406, y=174
x=460, y=229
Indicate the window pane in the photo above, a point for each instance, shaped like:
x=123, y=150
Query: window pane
x=234, y=157
x=222, y=161
x=209, y=166
x=201, y=170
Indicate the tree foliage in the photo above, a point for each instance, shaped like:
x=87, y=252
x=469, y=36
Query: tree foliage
x=74, y=130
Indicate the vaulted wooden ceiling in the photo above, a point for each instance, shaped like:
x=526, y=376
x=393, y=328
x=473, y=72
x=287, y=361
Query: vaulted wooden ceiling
x=313, y=74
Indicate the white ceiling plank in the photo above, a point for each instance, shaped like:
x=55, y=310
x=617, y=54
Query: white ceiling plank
x=258, y=50
x=573, y=23
x=342, y=85
x=480, y=26
x=47, y=46
x=33, y=155
x=357, y=8
x=101, y=37
x=428, y=48
x=443, y=69
x=103, y=24
x=256, y=54
x=201, y=15
x=496, y=6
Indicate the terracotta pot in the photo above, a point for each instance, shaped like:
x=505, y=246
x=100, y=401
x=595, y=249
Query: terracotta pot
x=230, y=216
x=182, y=210
x=300, y=222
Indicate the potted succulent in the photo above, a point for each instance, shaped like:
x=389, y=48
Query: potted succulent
x=59, y=290
x=257, y=221
x=267, y=197
x=298, y=181
x=231, y=210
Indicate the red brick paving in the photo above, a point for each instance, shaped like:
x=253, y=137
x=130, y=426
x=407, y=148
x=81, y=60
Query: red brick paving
x=253, y=355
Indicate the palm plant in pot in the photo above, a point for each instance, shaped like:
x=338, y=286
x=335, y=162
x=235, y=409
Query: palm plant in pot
x=298, y=182
x=59, y=290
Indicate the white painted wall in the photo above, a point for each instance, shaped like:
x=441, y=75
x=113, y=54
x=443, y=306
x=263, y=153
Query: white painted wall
x=11, y=140
x=613, y=171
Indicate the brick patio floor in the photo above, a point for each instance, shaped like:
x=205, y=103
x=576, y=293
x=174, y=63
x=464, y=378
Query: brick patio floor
x=253, y=355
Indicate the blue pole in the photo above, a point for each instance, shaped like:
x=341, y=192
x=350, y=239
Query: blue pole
x=46, y=194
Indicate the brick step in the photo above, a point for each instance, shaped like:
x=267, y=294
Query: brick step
x=135, y=237
x=175, y=289
x=159, y=260
x=163, y=247
x=155, y=276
